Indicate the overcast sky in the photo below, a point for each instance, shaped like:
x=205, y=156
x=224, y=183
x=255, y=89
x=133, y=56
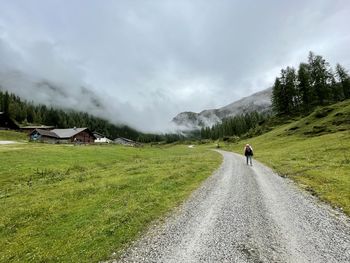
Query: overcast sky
x=145, y=61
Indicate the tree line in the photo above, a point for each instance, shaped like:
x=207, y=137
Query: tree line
x=295, y=92
x=27, y=113
x=234, y=126
x=314, y=83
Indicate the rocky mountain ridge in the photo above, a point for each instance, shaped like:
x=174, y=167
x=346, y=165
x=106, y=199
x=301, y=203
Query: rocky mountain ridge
x=260, y=102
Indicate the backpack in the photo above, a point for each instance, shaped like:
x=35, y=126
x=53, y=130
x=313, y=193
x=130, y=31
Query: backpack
x=248, y=151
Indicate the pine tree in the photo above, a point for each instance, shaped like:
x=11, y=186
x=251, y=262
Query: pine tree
x=344, y=80
x=277, y=103
x=1, y=101
x=304, y=88
x=6, y=103
x=320, y=78
x=284, y=94
x=290, y=90
x=337, y=93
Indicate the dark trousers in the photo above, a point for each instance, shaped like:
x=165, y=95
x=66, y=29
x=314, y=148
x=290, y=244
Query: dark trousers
x=249, y=159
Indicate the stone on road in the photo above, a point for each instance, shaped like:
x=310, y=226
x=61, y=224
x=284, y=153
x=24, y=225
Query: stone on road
x=247, y=214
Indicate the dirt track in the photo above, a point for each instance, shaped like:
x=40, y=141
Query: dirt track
x=7, y=142
x=247, y=214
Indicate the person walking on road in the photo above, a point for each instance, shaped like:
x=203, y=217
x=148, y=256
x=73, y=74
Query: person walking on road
x=248, y=152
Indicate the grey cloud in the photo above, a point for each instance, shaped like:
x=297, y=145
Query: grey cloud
x=146, y=61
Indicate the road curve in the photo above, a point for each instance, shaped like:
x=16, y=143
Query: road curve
x=247, y=214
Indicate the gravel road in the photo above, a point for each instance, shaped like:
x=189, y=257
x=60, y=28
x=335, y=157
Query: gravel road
x=7, y=142
x=247, y=214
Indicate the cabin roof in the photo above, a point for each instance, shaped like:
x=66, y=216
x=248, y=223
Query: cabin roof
x=46, y=133
x=99, y=135
x=68, y=133
x=37, y=127
x=125, y=139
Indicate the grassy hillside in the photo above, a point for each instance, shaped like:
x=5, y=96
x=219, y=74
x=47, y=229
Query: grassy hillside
x=12, y=136
x=62, y=203
x=314, y=151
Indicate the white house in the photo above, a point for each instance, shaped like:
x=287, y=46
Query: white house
x=101, y=138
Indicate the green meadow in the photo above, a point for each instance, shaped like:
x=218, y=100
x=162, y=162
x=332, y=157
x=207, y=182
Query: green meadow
x=62, y=203
x=13, y=136
x=314, y=151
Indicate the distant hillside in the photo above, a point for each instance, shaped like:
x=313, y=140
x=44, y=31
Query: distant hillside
x=259, y=102
x=27, y=113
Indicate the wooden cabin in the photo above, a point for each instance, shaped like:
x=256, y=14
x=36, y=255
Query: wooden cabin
x=127, y=142
x=75, y=135
x=39, y=135
x=71, y=135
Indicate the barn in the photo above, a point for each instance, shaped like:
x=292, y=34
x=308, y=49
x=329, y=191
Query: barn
x=71, y=135
x=127, y=142
x=39, y=135
x=75, y=135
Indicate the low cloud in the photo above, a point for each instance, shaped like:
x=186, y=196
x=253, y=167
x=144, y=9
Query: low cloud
x=142, y=62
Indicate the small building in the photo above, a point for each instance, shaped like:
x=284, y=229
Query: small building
x=75, y=135
x=71, y=135
x=100, y=138
x=127, y=142
x=6, y=123
x=39, y=135
x=29, y=129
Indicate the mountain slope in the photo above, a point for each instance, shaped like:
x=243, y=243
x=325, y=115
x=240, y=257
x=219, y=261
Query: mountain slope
x=313, y=151
x=260, y=101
